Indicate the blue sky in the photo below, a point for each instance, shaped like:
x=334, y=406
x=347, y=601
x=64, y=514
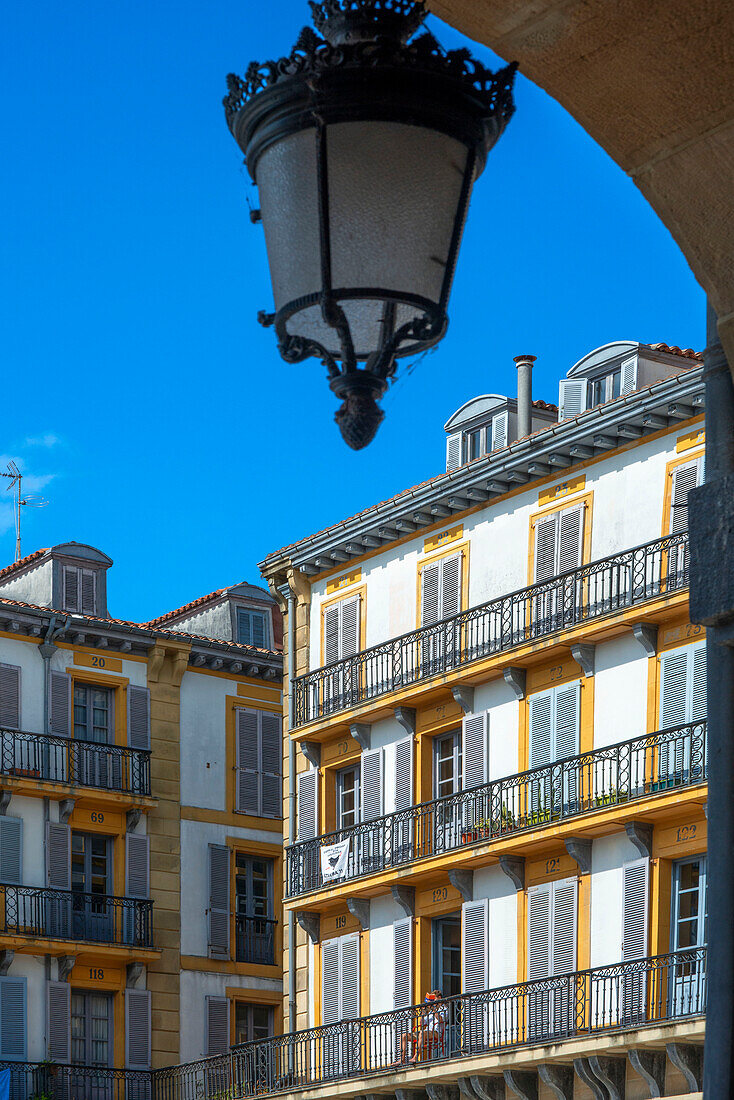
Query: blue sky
x=139, y=394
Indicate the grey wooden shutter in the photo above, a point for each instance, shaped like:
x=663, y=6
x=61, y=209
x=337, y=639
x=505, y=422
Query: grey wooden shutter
x=404, y=774
x=88, y=592
x=248, y=761
x=372, y=785
x=430, y=580
x=570, y=538
x=217, y=1025
x=635, y=904
x=59, y=704
x=453, y=451
x=563, y=955
x=539, y=932
x=500, y=430
x=567, y=702
x=138, y=717
x=541, y=728
x=219, y=860
x=13, y=1020
x=450, y=586
x=271, y=756
x=137, y=865
x=698, y=684
x=674, y=688
x=332, y=634
x=349, y=979
x=628, y=381
x=9, y=697
x=137, y=1029
x=71, y=588
x=58, y=1023
x=330, y=982
x=572, y=397
x=402, y=935
x=308, y=783
x=349, y=610
x=475, y=736
x=58, y=856
x=11, y=850
x=685, y=478
x=475, y=952
x=546, y=533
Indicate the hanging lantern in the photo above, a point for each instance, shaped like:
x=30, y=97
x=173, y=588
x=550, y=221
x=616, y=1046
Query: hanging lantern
x=365, y=143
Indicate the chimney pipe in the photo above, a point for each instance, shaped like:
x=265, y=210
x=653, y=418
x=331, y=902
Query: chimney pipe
x=524, y=364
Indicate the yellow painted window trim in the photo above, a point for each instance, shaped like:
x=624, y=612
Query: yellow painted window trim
x=450, y=551
x=118, y=684
x=685, y=459
x=348, y=594
x=563, y=505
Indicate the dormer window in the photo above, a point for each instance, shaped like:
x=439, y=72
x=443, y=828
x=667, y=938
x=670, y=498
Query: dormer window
x=480, y=440
x=253, y=627
x=605, y=388
x=79, y=591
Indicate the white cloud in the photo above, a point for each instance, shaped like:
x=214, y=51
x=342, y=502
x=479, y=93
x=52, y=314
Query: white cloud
x=48, y=440
x=7, y=518
x=34, y=482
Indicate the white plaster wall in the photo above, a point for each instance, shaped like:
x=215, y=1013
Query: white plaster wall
x=16, y=652
x=384, y=911
x=196, y=836
x=34, y=587
x=608, y=856
x=33, y=842
x=492, y=883
x=196, y=986
x=212, y=622
x=504, y=708
x=621, y=677
x=204, y=740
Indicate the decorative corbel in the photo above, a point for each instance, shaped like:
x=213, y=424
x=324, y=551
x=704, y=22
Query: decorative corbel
x=689, y=1060
x=312, y=751
x=405, y=897
x=650, y=1065
x=647, y=635
x=236, y=667
x=524, y=1083
x=126, y=646
x=641, y=836
x=442, y=1092
x=66, y=965
x=514, y=868
x=360, y=908
x=199, y=660
x=611, y=1072
x=405, y=717
x=464, y=696
x=102, y=642
x=180, y=664
x=516, y=678
x=310, y=923
x=463, y=881
x=488, y=1088
x=5, y=797
x=360, y=731
x=466, y=1089
x=66, y=809
x=583, y=655
x=134, y=972
x=253, y=671
x=132, y=818
x=580, y=851
x=584, y=1073
x=6, y=958
x=559, y=1080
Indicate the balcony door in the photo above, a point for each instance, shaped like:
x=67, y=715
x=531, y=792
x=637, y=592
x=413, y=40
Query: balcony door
x=448, y=766
x=93, y=726
x=688, y=933
x=552, y=922
x=554, y=736
x=91, y=884
x=92, y=1044
x=446, y=949
x=681, y=756
x=340, y=1001
x=254, y=910
x=440, y=599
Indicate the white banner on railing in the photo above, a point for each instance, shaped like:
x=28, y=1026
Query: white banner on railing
x=334, y=859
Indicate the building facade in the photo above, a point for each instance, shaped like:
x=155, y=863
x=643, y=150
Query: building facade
x=140, y=828
x=498, y=707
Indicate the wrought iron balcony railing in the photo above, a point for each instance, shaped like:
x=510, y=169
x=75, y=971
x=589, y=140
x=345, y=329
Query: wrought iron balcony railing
x=255, y=940
x=611, y=776
x=41, y=912
x=630, y=995
x=70, y=760
x=600, y=588
x=52, y=1081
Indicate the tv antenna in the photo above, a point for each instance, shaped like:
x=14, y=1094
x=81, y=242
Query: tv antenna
x=30, y=500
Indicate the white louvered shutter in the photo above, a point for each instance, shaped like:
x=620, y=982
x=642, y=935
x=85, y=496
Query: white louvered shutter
x=430, y=597
x=13, y=1021
x=475, y=745
x=307, y=802
x=563, y=954
x=500, y=430
x=71, y=588
x=634, y=908
x=137, y=1029
x=567, y=702
x=217, y=1026
x=698, y=684
x=570, y=537
x=349, y=627
x=674, y=688
x=402, y=934
x=59, y=704
x=271, y=756
x=58, y=856
x=137, y=865
x=572, y=397
x=372, y=784
x=138, y=717
x=58, y=1022
x=330, y=982
x=628, y=381
x=450, y=586
x=11, y=850
x=475, y=952
x=539, y=932
x=9, y=697
x=219, y=860
x=546, y=534
x=349, y=977
x=248, y=762
x=453, y=451
x=88, y=592
x=541, y=728
x=404, y=774
x=685, y=478
x=331, y=634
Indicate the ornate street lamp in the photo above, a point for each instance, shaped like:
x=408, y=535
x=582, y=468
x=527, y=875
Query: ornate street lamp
x=365, y=143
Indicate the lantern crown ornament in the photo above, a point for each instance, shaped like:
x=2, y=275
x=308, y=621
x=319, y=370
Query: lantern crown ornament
x=365, y=143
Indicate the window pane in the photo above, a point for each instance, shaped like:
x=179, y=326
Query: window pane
x=474, y=444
